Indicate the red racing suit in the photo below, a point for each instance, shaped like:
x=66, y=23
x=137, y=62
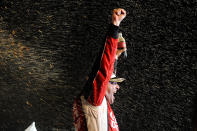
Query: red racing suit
x=96, y=86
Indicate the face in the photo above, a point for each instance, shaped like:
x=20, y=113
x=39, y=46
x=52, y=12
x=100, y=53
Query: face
x=112, y=88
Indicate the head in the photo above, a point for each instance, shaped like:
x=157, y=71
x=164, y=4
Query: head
x=112, y=88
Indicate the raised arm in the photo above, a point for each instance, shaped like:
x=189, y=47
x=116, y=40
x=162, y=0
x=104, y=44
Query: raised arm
x=96, y=85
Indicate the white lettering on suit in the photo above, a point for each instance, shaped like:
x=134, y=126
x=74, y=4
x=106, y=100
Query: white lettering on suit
x=113, y=121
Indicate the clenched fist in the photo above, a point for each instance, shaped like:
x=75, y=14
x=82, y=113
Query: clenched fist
x=118, y=15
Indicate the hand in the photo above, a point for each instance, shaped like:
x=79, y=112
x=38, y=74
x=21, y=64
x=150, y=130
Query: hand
x=118, y=15
x=119, y=52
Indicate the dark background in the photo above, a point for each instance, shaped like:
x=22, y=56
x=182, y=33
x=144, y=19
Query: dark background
x=47, y=48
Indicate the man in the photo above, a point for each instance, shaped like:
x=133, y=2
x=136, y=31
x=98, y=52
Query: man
x=91, y=109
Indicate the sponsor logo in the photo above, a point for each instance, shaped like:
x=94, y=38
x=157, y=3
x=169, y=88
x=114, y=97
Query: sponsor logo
x=113, y=122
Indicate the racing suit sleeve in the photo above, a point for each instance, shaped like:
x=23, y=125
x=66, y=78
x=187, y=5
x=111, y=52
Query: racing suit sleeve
x=96, y=86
